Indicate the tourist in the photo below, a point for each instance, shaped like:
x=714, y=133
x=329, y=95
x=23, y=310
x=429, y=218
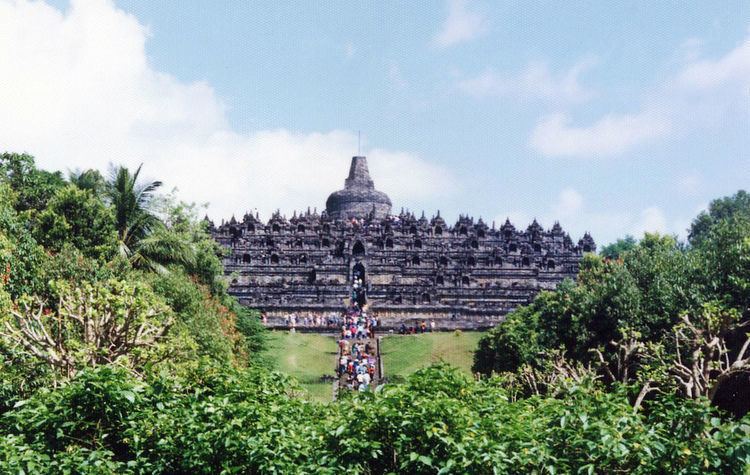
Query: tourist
x=342, y=365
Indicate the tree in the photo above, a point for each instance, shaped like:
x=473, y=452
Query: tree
x=144, y=238
x=724, y=258
x=701, y=359
x=75, y=216
x=133, y=206
x=33, y=186
x=722, y=209
x=576, y=318
x=616, y=249
x=21, y=257
x=664, y=272
x=90, y=180
x=91, y=325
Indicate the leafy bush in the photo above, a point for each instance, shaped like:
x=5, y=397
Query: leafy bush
x=215, y=420
x=78, y=218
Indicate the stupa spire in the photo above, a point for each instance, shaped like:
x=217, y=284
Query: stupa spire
x=359, y=175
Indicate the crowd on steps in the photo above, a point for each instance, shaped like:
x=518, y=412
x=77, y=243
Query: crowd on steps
x=357, y=366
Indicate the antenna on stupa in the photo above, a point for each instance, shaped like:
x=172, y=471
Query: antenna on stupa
x=359, y=143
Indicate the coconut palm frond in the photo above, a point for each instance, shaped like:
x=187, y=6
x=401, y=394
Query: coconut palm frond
x=144, y=238
x=132, y=203
x=167, y=247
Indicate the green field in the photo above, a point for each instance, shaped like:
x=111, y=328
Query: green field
x=404, y=354
x=307, y=357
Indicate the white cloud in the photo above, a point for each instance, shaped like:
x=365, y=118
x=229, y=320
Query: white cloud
x=689, y=50
x=650, y=220
x=568, y=203
x=461, y=25
x=77, y=91
x=734, y=67
x=611, y=135
x=695, y=97
x=535, y=81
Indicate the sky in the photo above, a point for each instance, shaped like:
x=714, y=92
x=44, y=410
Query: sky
x=610, y=117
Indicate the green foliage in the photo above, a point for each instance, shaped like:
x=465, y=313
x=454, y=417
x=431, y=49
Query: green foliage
x=197, y=312
x=71, y=265
x=21, y=258
x=658, y=315
x=93, y=324
x=616, y=249
x=644, y=292
x=202, y=258
x=725, y=209
x=90, y=180
x=513, y=343
x=664, y=275
x=132, y=204
x=58, y=247
x=220, y=421
x=724, y=254
x=160, y=248
x=33, y=187
x=695, y=440
x=579, y=317
x=254, y=334
x=76, y=217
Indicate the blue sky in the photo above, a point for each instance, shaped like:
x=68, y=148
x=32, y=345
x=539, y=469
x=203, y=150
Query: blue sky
x=611, y=117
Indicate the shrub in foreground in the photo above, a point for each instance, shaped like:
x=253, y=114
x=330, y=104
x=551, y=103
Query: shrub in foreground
x=227, y=421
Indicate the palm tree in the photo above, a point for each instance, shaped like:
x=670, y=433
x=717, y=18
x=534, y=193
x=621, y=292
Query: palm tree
x=144, y=239
x=133, y=205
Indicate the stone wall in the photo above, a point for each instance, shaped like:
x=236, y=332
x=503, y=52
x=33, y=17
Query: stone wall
x=468, y=273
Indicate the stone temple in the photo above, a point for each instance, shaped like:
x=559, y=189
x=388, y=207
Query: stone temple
x=465, y=275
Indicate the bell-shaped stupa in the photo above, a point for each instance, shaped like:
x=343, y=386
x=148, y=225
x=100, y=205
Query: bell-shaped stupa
x=359, y=198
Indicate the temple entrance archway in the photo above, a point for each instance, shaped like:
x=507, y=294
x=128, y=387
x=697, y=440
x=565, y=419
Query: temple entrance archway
x=358, y=272
x=360, y=290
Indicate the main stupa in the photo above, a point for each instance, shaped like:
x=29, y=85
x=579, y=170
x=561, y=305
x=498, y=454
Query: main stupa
x=359, y=198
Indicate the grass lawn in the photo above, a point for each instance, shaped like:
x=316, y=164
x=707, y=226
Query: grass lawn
x=307, y=357
x=404, y=354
